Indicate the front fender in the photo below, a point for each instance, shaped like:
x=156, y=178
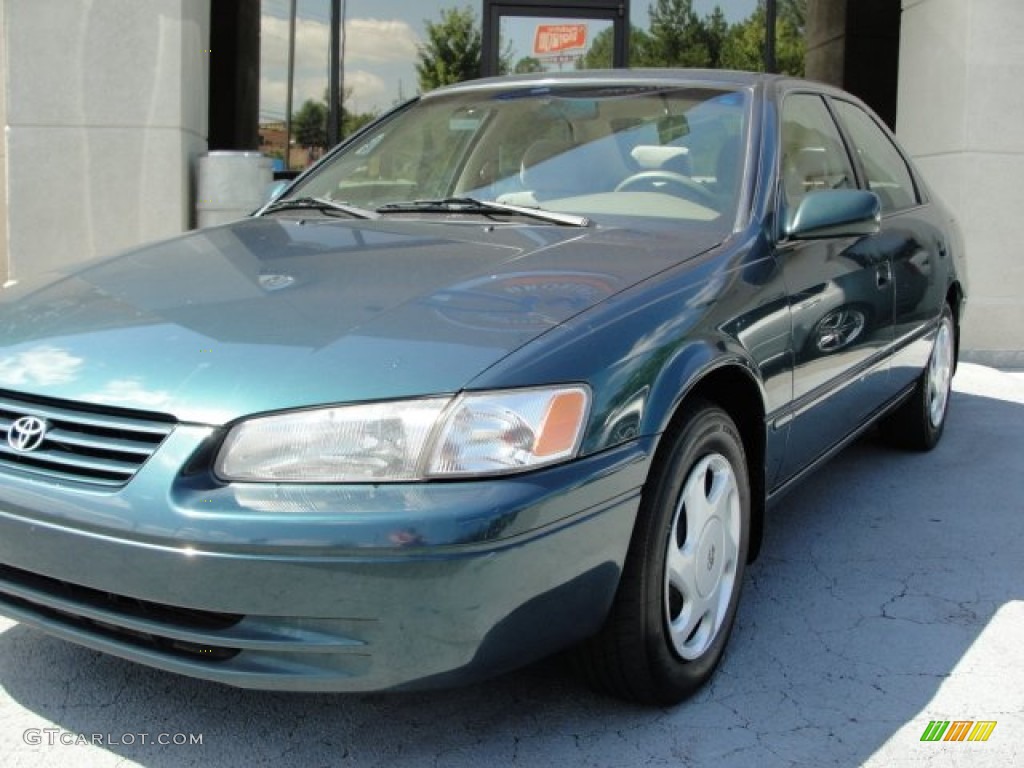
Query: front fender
x=641, y=350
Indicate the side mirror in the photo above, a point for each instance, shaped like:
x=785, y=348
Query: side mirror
x=836, y=213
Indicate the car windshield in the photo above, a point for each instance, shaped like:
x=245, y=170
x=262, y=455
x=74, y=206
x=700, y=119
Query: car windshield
x=670, y=152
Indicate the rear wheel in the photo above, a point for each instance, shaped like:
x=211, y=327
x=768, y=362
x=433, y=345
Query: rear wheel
x=680, y=587
x=919, y=422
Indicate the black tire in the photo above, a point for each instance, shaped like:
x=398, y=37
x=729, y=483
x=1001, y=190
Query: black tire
x=919, y=422
x=643, y=653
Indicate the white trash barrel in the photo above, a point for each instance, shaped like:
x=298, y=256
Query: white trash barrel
x=231, y=185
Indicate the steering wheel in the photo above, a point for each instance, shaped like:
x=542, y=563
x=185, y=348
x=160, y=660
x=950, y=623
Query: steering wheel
x=671, y=183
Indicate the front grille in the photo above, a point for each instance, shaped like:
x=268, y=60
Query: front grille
x=128, y=614
x=82, y=443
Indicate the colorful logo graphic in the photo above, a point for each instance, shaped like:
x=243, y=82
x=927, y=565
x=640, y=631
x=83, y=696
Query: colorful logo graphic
x=555, y=38
x=958, y=730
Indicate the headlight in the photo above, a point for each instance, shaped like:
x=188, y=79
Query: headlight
x=473, y=434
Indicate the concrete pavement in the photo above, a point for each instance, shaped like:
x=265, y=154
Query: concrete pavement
x=889, y=594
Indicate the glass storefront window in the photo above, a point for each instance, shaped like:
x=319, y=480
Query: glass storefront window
x=383, y=42
x=552, y=44
x=309, y=81
x=716, y=34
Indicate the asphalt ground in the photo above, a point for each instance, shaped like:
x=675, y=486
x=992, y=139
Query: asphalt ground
x=889, y=594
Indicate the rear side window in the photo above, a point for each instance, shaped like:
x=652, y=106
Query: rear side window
x=813, y=154
x=887, y=172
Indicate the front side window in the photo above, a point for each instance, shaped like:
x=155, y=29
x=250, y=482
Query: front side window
x=886, y=170
x=653, y=151
x=813, y=154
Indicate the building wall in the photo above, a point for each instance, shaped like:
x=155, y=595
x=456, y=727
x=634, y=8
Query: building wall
x=825, y=56
x=854, y=44
x=961, y=114
x=3, y=146
x=106, y=110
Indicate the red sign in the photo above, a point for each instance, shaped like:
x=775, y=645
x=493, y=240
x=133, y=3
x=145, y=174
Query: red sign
x=555, y=38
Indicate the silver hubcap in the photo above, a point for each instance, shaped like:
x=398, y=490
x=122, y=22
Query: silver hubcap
x=700, y=569
x=940, y=374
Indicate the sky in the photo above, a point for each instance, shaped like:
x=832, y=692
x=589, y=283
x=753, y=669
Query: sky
x=382, y=38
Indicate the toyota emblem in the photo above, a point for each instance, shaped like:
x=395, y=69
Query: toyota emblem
x=26, y=434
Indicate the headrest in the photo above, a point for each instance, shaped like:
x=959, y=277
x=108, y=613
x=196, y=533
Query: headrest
x=649, y=156
x=540, y=165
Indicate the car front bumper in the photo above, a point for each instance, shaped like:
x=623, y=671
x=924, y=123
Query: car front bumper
x=342, y=588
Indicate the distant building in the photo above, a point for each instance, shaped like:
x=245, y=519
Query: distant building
x=271, y=143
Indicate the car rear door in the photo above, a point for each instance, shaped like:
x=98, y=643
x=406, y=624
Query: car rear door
x=913, y=242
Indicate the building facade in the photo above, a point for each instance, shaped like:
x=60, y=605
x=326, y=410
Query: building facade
x=105, y=112
x=961, y=115
x=107, y=106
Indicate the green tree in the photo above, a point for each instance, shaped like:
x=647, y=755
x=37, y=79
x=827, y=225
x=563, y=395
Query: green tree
x=309, y=124
x=716, y=32
x=601, y=50
x=452, y=51
x=353, y=121
x=744, y=47
x=791, y=36
x=795, y=12
x=508, y=55
x=678, y=38
x=528, y=64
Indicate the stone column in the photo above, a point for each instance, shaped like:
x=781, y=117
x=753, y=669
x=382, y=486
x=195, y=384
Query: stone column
x=106, y=110
x=3, y=144
x=961, y=115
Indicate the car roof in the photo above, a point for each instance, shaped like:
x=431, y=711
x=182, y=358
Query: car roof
x=771, y=85
x=591, y=77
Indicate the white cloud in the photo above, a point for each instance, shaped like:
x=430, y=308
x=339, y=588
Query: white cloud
x=311, y=41
x=369, y=91
x=368, y=41
x=43, y=366
x=130, y=393
x=310, y=77
x=274, y=92
x=380, y=40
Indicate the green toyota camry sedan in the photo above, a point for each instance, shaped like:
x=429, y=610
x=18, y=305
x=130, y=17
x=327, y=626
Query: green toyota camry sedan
x=520, y=367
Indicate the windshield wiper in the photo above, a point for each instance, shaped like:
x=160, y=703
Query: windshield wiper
x=324, y=204
x=472, y=205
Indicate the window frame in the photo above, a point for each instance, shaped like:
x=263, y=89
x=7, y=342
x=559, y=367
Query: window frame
x=782, y=206
x=917, y=188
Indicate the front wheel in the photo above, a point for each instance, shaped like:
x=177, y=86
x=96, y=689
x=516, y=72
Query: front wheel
x=680, y=586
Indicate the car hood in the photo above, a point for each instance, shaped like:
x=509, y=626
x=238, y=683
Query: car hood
x=273, y=313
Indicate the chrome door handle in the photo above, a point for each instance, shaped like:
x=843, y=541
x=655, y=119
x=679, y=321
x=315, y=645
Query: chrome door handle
x=883, y=275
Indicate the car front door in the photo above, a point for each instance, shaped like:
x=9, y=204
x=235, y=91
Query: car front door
x=841, y=294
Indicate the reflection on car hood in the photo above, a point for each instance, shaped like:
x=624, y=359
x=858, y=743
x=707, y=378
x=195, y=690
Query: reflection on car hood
x=272, y=313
